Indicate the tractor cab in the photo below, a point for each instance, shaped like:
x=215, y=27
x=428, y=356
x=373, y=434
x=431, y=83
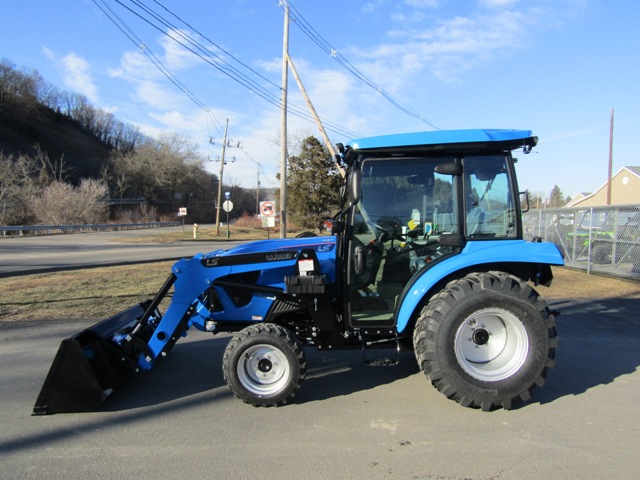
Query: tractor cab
x=416, y=206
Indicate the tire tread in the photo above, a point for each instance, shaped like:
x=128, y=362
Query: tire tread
x=434, y=314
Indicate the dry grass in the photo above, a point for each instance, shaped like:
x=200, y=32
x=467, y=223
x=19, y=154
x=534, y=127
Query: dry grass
x=98, y=293
x=577, y=285
x=89, y=293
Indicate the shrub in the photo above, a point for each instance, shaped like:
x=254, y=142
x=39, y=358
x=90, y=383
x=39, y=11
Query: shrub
x=61, y=203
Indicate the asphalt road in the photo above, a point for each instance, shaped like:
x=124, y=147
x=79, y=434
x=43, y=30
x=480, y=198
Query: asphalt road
x=21, y=255
x=348, y=421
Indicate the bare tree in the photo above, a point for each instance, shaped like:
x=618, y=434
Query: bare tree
x=159, y=168
x=50, y=170
x=17, y=188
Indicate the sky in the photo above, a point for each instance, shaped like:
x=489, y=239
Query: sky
x=371, y=67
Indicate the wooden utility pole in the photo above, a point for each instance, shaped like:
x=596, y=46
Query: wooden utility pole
x=219, y=204
x=327, y=142
x=610, y=159
x=258, y=191
x=283, y=126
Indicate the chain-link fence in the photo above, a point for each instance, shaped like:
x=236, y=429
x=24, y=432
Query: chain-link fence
x=604, y=240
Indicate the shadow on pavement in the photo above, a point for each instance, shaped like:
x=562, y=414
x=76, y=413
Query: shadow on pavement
x=196, y=366
x=598, y=344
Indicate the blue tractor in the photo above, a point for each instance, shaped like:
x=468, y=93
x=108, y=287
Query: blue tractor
x=427, y=253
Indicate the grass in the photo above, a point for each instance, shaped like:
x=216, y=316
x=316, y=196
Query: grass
x=577, y=285
x=98, y=293
x=94, y=293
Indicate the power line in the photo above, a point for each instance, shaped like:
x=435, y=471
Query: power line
x=122, y=26
x=260, y=169
x=218, y=61
x=216, y=45
x=199, y=50
x=325, y=46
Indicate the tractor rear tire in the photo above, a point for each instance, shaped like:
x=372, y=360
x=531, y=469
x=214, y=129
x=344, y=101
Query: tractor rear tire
x=486, y=340
x=264, y=365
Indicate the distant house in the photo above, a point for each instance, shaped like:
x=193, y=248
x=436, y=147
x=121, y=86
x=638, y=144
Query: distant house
x=625, y=190
x=577, y=199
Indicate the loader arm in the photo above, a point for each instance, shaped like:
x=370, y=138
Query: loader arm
x=203, y=291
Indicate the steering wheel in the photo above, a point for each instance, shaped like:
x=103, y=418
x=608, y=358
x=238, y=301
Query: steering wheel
x=392, y=232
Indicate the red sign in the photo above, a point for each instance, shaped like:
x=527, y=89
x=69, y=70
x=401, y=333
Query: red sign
x=267, y=209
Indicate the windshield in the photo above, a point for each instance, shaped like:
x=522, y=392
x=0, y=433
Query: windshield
x=407, y=194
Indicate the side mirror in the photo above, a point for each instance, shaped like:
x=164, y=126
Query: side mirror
x=524, y=201
x=354, y=187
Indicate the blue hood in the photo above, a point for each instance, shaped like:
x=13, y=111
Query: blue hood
x=324, y=248
x=319, y=244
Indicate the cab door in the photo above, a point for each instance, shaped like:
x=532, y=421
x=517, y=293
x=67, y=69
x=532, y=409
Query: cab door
x=405, y=206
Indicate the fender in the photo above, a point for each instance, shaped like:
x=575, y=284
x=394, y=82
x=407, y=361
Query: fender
x=476, y=253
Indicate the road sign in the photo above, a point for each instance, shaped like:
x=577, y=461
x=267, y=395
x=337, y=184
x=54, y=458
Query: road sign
x=267, y=208
x=227, y=206
x=182, y=211
x=268, y=222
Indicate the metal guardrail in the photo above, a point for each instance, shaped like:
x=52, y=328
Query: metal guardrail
x=25, y=230
x=603, y=240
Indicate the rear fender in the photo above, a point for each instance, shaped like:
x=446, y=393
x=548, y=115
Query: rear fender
x=474, y=254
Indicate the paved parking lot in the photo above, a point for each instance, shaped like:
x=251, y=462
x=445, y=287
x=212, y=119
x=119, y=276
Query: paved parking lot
x=348, y=421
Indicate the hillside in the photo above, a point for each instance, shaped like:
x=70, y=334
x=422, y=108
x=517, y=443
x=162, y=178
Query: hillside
x=23, y=127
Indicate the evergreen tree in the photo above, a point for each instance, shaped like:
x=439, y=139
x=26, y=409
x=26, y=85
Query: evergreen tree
x=313, y=185
x=556, y=198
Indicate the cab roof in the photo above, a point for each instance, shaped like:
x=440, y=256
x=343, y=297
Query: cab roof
x=449, y=140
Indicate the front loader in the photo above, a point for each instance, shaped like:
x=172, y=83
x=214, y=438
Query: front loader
x=427, y=253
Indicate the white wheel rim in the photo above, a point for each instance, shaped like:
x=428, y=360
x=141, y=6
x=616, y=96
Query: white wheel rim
x=491, y=344
x=263, y=370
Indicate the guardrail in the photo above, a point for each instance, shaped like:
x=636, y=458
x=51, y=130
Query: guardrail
x=24, y=230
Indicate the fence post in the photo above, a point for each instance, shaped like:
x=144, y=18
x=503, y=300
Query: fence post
x=540, y=223
x=590, y=239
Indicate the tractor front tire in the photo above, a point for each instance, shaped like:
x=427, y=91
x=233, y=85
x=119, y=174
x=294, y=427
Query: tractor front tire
x=264, y=365
x=486, y=340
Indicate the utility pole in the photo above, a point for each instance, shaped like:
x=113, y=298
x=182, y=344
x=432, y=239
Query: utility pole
x=283, y=125
x=222, y=164
x=610, y=159
x=323, y=132
x=258, y=191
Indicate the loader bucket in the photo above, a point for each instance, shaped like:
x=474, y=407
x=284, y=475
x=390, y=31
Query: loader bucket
x=90, y=365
